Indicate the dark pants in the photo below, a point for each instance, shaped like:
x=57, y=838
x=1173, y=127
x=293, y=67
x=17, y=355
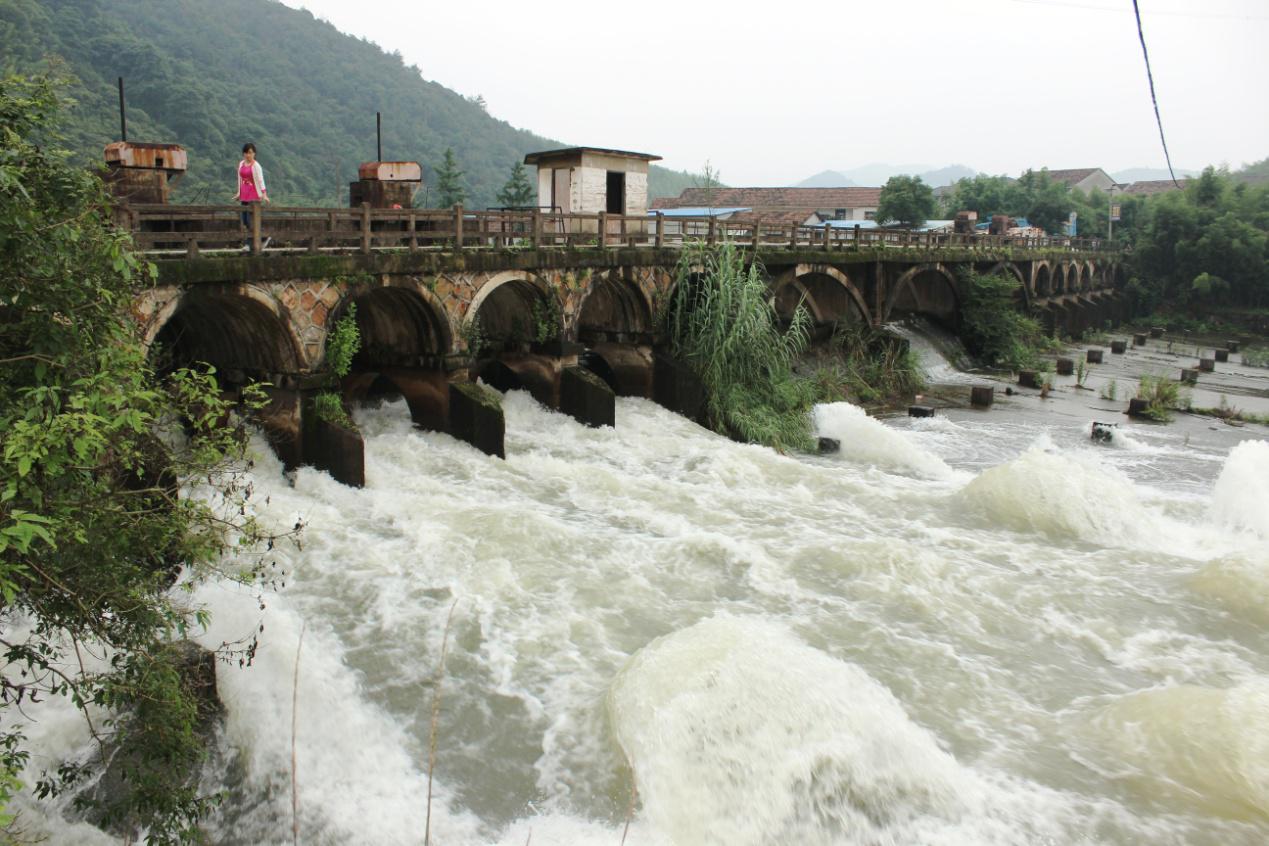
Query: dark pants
x=246, y=214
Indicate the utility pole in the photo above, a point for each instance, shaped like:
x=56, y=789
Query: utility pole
x=123, y=115
x=378, y=136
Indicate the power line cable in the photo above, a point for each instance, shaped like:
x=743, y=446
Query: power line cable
x=1153, y=98
x=1153, y=12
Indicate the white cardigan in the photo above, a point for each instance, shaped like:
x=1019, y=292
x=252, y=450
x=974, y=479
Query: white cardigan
x=257, y=174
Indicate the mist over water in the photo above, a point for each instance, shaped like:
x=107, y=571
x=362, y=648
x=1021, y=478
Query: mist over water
x=952, y=632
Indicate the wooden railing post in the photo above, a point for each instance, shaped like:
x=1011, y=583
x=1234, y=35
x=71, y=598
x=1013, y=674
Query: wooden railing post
x=858, y=245
x=537, y=228
x=412, y=228
x=793, y=236
x=757, y=233
x=603, y=230
x=458, y=226
x=713, y=230
x=828, y=236
x=255, y=229
x=660, y=234
x=365, y=228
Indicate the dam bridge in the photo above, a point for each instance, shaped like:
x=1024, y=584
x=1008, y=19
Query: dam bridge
x=561, y=304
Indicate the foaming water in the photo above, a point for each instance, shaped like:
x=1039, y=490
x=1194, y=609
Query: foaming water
x=865, y=440
x=1199, y=746
x=912, y=642
x=1060, y=495
x=1241, y=498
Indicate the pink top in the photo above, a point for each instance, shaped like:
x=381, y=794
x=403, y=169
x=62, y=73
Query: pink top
x=247, y=192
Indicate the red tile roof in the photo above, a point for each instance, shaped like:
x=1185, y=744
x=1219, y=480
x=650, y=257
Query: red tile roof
x=774, y=200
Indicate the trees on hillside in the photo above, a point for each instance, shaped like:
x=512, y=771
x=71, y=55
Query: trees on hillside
x=449, y=182
x=517, y=191
x=906, y=199
x=94, y=524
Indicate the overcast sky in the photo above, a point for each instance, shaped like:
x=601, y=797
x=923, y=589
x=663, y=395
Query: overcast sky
x=772, y=92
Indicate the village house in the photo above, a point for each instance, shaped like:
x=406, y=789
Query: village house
x=803, y=206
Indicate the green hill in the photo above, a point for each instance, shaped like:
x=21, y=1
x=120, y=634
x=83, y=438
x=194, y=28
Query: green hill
x=211, y=75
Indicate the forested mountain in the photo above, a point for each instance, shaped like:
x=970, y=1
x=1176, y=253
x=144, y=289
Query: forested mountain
x=212, y=74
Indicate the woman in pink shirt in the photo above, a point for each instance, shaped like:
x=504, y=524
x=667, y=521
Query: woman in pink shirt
x=250, y=182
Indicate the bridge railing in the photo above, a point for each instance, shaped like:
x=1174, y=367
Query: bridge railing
x=173, y=231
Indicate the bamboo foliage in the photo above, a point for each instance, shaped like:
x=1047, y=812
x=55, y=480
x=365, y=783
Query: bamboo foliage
x=722, y=323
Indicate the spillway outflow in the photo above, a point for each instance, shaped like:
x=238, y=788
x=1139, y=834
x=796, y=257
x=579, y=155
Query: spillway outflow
x=947, y=634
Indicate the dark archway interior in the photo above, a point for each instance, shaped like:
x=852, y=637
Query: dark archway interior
x=826, y=299
x=1043, y=282
x=929, y=293
x=239, y=337
x=398, y=329
x=613, y=309
x=510, y=316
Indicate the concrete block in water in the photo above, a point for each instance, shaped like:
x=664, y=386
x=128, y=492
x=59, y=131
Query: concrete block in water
x=1065, y=366
x=1139, y=339
x=920, y=411
x=829, y=445
x=1156, y=332
x=1028, y=379
x=1137, y=407
x=1207, y=365
x=475, y=416
x=335, y=449
x=1222, y=355
x=1231, y=345
x=1103, y=432
x=677, y=388
x=1094, y=356
x=587, y=398
x=982, y=395
x=1119, y=347
x=1189, y=375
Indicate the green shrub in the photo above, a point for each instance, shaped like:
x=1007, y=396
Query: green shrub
x=1162, y=396
x=993, y=329
x=721, y=322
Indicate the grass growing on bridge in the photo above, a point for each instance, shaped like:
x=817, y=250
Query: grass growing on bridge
x=722, y=323
x=864, y=365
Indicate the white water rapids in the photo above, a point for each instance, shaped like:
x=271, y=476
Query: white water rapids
x=987, y=632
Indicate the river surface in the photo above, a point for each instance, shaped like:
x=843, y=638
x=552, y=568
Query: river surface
x=980, y=628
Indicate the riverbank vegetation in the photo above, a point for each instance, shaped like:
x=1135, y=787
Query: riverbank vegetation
x=864, y=366
x=94, y=527
x=994, y=330
x=721, y=322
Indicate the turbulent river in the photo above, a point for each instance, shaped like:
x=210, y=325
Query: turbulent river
x=973, y=629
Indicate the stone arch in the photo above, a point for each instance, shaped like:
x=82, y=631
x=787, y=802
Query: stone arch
x=614, y=305
x=1090, y=275
x=1022, y=296
x=400, y=321
x=829, y=294
x=928, y=289
x=505, y=306
x=1043, y=282
x=240, y=330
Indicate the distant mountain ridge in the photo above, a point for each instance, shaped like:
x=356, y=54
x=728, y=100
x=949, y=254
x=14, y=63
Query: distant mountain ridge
x=875, y=175
x=212, y=75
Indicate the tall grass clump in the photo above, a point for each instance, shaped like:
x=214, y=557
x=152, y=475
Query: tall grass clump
x=993, y=328
x=866, y=365
x=721, y=322
x=1162, y=396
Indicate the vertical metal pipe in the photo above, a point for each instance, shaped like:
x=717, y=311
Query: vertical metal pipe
x=378, y=136
x=123, y=115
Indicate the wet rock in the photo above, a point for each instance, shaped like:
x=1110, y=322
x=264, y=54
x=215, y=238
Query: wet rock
x=829, y=445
